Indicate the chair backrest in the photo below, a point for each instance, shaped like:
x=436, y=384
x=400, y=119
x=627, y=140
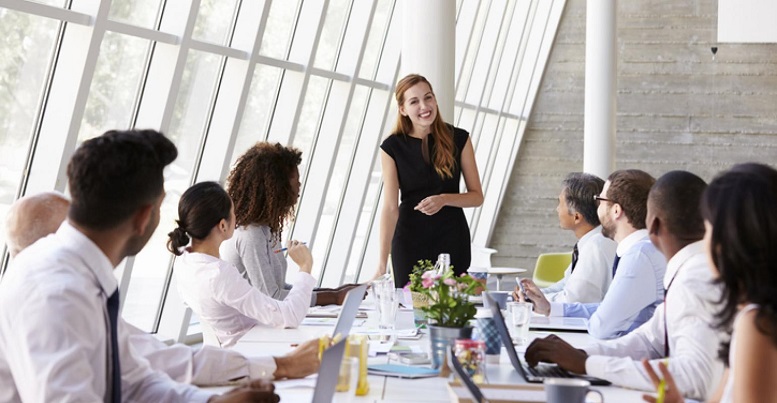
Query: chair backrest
x=481, y=256
x=550, y=268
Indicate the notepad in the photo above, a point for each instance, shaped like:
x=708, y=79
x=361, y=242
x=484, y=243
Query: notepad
x=499, y=393
x=402, y=371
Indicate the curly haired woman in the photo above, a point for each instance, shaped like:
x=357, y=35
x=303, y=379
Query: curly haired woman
x=264, y=185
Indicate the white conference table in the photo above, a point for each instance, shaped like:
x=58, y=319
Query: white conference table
x=268, y=341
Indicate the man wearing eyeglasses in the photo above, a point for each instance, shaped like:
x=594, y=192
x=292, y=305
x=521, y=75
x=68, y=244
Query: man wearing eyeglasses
x=638, y=271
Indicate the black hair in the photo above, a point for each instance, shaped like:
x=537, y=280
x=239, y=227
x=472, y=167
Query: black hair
x=740, y=205
x=201, y=208
x=112, y=176
x=579, y=191
x=677, y=195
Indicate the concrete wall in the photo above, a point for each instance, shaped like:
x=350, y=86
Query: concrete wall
x=677, y=109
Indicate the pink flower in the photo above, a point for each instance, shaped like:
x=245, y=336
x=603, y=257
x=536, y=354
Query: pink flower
x=449, y=282
x=429, y=278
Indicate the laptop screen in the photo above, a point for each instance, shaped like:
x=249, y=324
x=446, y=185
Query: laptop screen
x=349, y=310
x=328, y=372
x=504, y=334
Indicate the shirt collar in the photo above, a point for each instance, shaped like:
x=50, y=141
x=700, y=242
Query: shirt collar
x=626, y=243
x=588, y=236
x=90, y=254
x=680, y=258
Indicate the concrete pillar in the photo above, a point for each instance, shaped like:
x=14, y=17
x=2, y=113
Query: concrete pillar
x=428, y=47
x=601, y=75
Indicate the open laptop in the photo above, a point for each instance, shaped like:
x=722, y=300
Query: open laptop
x=328, y=373
x=349, y=310
x=542, y=370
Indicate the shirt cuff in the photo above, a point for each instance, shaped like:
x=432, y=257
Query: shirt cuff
x=261, y=367
x=596, y=365
x=556, y=309
x=304, y=278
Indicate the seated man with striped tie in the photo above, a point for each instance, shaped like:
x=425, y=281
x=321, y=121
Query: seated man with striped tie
x=638, y=269
x=61, y=337
x=589, y=275
x=681, y=329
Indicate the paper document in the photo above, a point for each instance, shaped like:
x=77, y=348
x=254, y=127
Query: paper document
x=559, y=323
x=402, y=371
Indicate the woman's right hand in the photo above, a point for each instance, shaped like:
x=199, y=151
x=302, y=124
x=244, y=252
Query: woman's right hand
x=300, y=254
x=671, y=393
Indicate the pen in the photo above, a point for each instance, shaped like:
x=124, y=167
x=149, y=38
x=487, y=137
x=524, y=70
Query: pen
x=285, y=249
x=662, y=387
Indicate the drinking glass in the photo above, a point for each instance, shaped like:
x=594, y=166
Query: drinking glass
x=387, y=305
x=520, y=316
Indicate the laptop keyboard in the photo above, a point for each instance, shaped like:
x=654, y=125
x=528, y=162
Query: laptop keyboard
x=547, y=371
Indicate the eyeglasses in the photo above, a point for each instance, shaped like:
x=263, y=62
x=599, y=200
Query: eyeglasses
x=598, y=199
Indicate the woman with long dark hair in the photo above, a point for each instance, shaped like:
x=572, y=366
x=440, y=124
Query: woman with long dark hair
x=213, y=288
x=423, y=160
x=740, y=215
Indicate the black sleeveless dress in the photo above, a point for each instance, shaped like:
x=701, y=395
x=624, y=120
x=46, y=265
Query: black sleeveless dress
x=418, y=236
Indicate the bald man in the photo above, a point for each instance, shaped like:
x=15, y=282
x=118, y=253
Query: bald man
x=36, y=216
x=33, y=217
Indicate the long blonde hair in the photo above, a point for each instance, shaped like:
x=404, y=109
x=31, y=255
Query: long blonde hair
x=444, y=161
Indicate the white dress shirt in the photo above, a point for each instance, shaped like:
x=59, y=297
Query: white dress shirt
x=593, y=271
x=54, y=330
x=206, y=366
x=634, y=293
x=693, y=342
x=227, y=302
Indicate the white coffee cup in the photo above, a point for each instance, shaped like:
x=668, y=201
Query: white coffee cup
x=568, y=390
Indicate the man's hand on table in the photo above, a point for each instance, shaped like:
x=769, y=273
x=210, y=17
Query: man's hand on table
x=334, y=296
x=299, y=363
x=260, y=390
x=554, y=349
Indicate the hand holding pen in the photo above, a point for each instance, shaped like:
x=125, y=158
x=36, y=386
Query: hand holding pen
x=284, y=249
x=300, y=254
x=666, y=388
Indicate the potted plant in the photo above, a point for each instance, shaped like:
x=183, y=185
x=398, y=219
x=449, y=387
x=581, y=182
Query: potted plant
x=448, y=309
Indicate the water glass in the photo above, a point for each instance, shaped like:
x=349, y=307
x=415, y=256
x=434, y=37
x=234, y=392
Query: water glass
x=387, y=305
x=520, y=316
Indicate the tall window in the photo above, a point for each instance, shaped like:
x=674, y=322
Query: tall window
x=218, y=76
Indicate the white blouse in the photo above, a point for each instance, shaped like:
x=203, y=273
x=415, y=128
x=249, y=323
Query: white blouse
x=227, y=303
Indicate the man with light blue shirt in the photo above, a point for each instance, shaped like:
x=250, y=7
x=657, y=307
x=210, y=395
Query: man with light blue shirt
x=638, y=271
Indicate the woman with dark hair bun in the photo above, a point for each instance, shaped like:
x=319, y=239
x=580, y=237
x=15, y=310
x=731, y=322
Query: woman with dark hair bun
x=740, y=217
x=213, y=288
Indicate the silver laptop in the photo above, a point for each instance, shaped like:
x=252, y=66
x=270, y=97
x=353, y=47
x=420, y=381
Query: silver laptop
x=542, y=371
x=349, y=310
x=328, y=373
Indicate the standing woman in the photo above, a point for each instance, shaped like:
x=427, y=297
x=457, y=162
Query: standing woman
x=741, y=238
x=213, y=288
x=424, y=158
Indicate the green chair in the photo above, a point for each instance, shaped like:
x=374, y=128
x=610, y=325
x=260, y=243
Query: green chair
x=550, y=268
